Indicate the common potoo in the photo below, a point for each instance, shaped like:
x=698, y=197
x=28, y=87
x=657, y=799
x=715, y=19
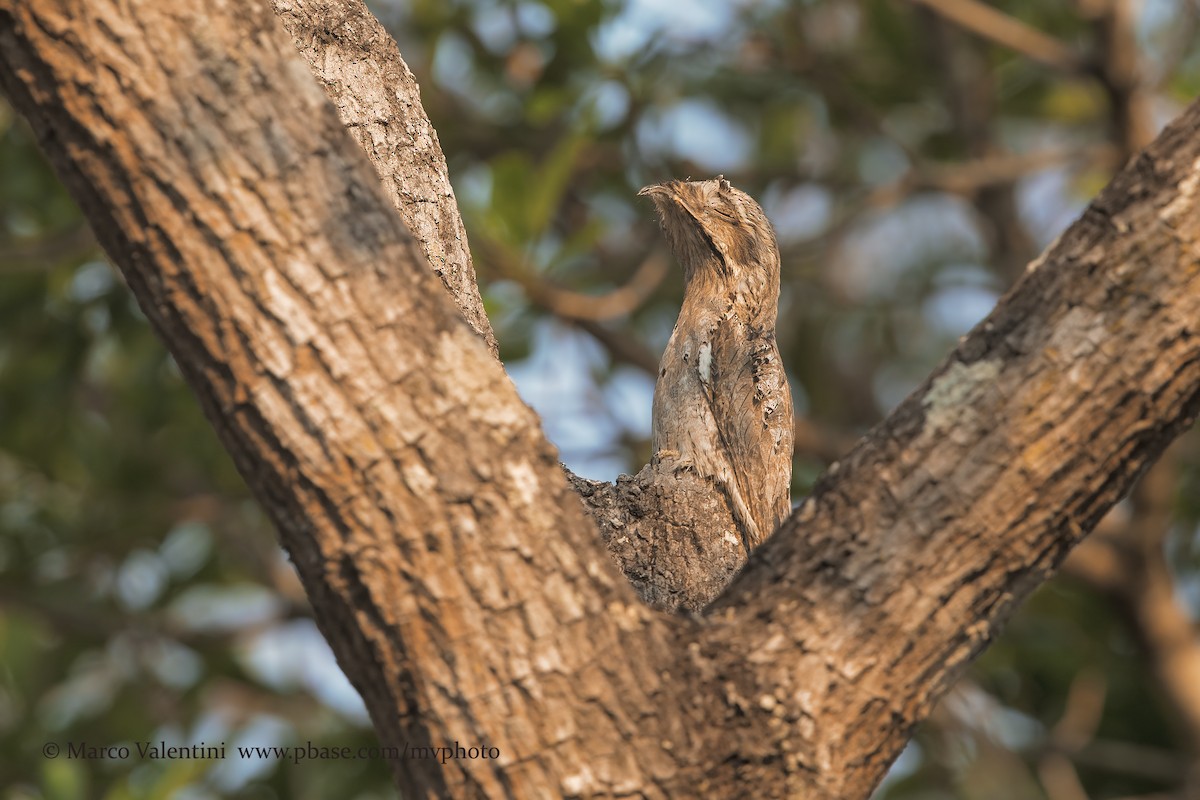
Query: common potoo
x=721, y=402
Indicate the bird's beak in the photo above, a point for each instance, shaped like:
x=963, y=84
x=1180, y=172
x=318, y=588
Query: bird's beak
x=653, y=189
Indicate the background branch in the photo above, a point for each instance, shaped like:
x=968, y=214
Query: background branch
x=996, y=26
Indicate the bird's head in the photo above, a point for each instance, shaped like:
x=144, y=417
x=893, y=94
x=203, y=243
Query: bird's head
x=717, y=232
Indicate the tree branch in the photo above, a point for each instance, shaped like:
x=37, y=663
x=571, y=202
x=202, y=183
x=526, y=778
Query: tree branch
x=913, y=552
x=378, y=101
x=52, y=248
x=573, y=306
x=467, y=597
x=989, y=23
x=465, y=593
x=1130, y=565
x=1121, y=76
x=996, y=170
x=359, y=66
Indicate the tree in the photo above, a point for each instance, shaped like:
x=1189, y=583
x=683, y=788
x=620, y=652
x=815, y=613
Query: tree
x=453, y=570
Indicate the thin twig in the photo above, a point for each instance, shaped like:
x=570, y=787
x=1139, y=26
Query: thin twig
x=619, y=302
x=1131, y=566
x=48, y=250
x=570, y=305
x=985, y=21
x=969, y=177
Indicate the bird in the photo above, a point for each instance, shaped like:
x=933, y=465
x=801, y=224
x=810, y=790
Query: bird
x=722, y=406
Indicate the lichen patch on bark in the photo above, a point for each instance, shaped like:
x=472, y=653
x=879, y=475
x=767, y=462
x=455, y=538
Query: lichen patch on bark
x=948, y=401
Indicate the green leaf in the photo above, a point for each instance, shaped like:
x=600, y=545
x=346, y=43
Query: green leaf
x=550, y=184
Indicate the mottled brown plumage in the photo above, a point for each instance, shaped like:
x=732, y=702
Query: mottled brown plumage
x=721, y=403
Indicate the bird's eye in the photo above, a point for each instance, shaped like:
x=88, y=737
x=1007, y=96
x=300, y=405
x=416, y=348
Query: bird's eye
x=724, y=184
x=724, y=209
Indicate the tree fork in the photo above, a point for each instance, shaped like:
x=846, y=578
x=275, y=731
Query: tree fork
x=462, y=588
x=645, y=521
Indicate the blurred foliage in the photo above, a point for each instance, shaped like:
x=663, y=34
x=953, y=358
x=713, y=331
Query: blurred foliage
x=911, y=170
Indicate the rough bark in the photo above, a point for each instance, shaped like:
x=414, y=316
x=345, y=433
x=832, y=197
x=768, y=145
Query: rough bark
x=359, y=66
x=467, y=598
x=913, y=551
x=671, y=533
x=674, y=550
x=464, y=591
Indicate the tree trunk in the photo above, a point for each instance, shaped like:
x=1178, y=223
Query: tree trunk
x=466, y=593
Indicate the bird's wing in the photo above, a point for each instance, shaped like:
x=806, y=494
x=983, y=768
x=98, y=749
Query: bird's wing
x=748, y=393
